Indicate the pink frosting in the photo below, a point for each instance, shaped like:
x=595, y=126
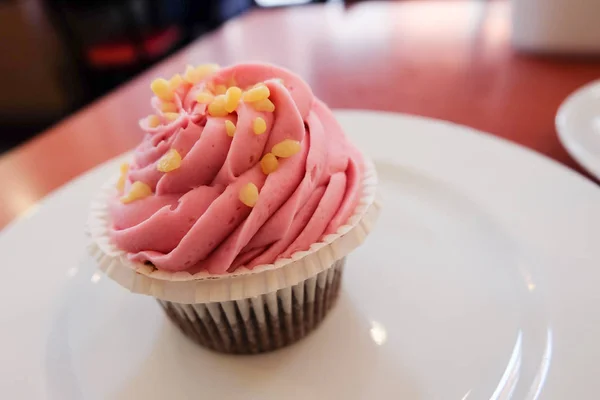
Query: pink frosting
x=194, y=220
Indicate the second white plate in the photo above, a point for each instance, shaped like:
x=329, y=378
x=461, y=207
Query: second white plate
x=578, y=126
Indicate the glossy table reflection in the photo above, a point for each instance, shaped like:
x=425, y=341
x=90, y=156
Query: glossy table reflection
x=442, y=59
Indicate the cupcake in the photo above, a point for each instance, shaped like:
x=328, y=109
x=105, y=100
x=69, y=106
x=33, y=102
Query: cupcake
x=238, y=208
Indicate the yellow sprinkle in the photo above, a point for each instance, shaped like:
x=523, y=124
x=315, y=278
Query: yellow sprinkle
x=249, y=194
x=230, y=128
x=217, y=107
x=168, y=107
x=257, y=93
x=175, y=82
x=123, y=177
x=138, y=190
x=286, y=148
x=264, y=105
x=232, y=98
x=268, y=163
x=259, y=126
x=191, y=75
x=171, y=116
x=205, y=70
x=162, y=89
x=153, y=121
x=194, y=75
x=204, y=98
x=220, y=89
x=170, y=161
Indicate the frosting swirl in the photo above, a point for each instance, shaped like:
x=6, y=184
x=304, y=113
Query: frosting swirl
x=189, y=196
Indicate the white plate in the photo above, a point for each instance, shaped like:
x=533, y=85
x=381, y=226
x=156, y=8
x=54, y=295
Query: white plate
x=578, y=126
x=481, y=280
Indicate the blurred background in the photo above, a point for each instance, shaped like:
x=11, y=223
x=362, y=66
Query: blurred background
x=59, y=55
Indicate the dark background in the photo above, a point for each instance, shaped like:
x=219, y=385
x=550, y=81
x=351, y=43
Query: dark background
x=59, y=55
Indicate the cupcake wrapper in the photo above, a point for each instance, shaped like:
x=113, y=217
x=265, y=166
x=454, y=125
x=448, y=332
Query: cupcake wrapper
x=263, y=323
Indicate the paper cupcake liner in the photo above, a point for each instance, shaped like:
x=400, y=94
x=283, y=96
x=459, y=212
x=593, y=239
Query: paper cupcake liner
x=242, y=284
x=263, y=323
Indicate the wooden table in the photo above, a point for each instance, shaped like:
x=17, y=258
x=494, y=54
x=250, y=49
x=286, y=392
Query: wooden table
x=443, y=59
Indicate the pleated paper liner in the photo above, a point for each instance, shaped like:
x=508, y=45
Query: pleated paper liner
x=263, y=323
x=245, y=311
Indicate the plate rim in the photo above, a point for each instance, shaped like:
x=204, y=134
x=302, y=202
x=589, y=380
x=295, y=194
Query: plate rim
x=472, y=132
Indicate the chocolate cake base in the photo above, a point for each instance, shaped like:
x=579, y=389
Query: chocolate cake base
x=260, y=324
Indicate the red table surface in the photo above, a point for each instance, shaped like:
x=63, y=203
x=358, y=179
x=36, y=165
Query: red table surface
x=443, y=59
